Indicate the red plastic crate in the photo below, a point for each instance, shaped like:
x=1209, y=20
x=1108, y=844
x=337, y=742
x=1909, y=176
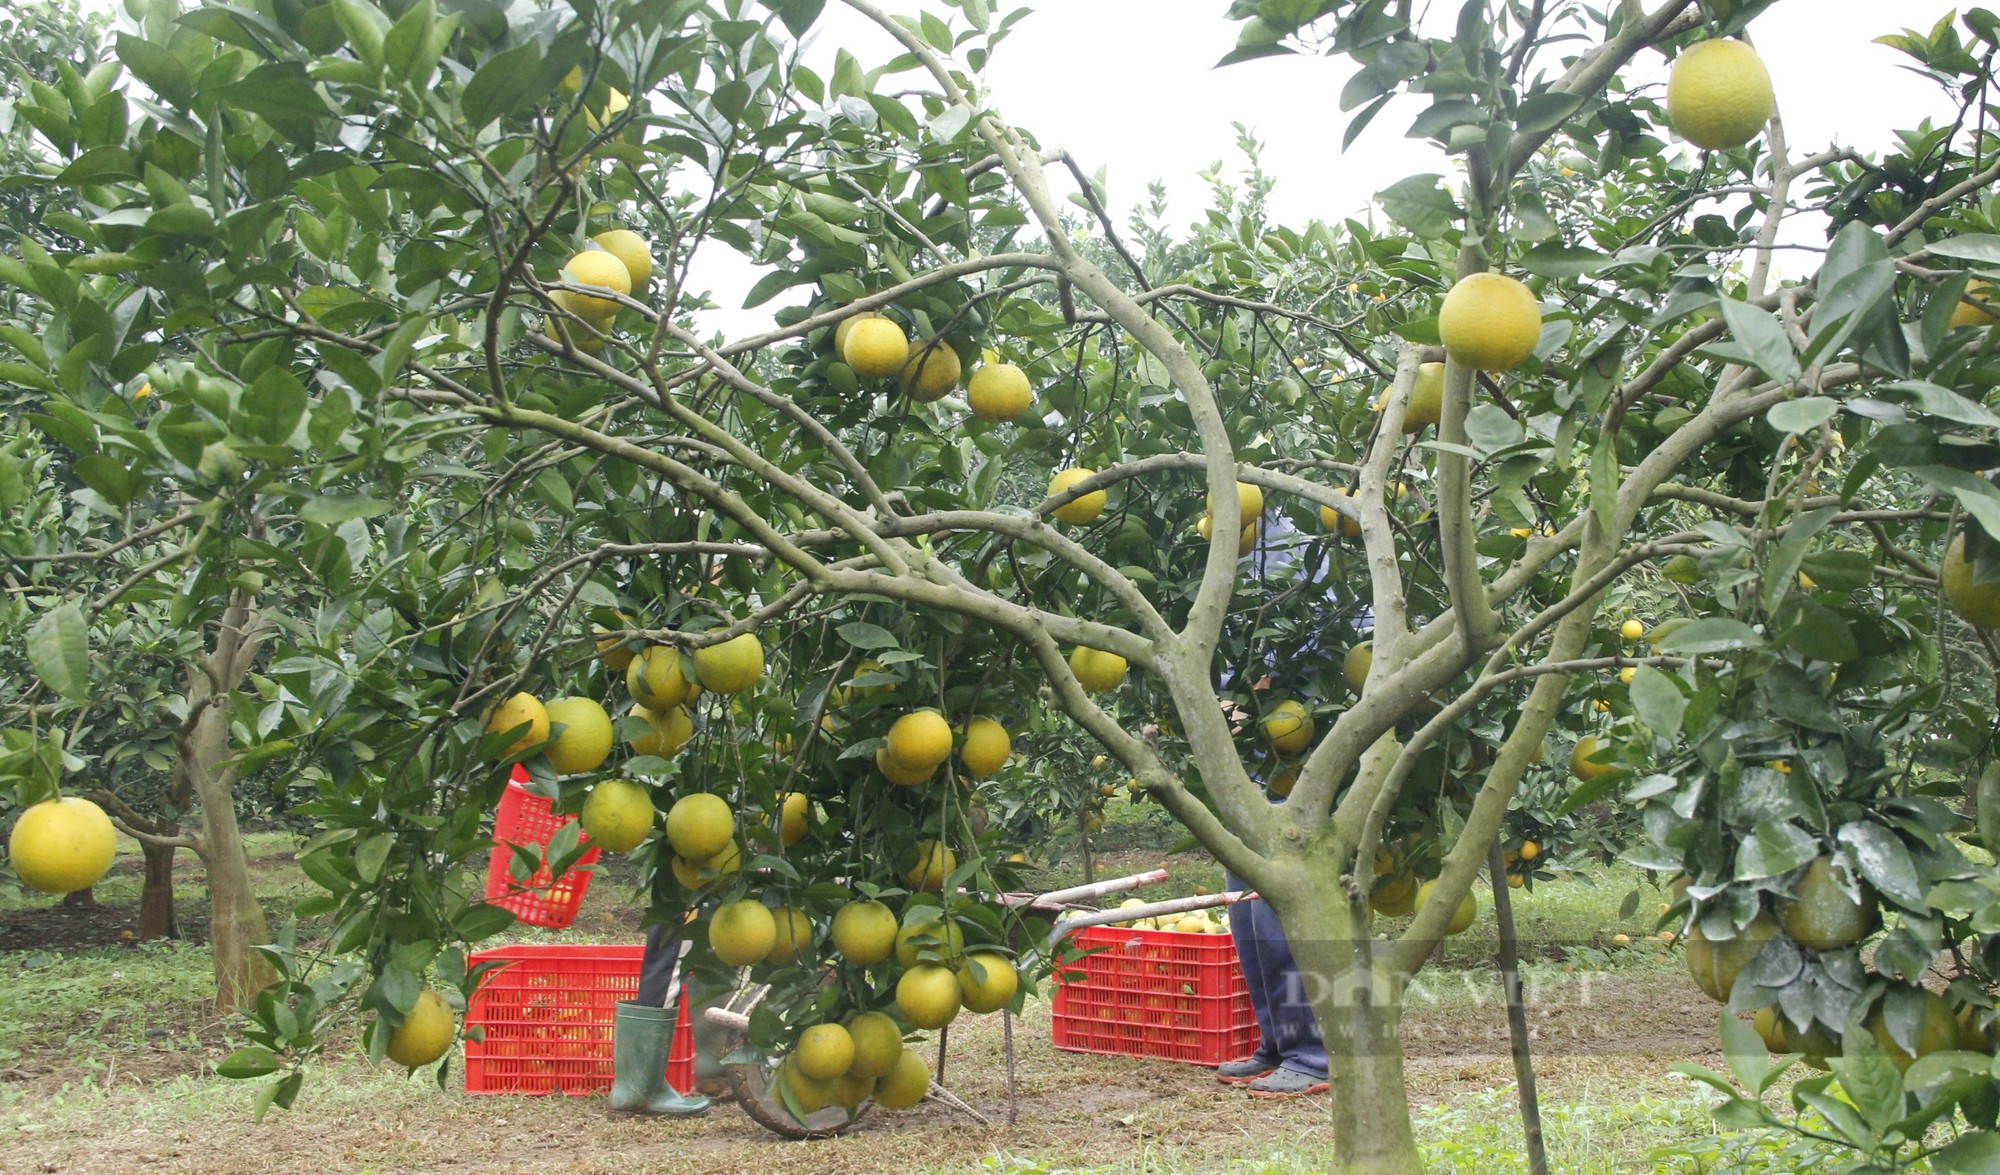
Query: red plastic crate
x=548, y=1020
x=1156, y=993
x=527, y=819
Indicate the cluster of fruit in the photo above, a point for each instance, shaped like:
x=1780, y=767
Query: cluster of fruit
x=1209, y=921
x=875, y=347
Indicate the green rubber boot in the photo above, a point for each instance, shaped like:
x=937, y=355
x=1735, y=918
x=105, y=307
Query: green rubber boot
x=641, y=1037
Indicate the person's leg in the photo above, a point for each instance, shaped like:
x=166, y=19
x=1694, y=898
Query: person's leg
x=657, y=967
x=643, y=1033
x=1295, y=1035
x=1256, y=979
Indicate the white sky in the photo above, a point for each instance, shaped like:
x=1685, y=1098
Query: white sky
x=1129, y=85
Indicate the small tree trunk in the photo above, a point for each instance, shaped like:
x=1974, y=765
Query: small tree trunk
x=1359, y=1006
x=1517, y=1016
x=156, y=900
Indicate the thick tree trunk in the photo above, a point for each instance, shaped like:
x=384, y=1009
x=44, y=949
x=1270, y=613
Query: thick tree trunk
x=156, y=900
x=1359, y=1005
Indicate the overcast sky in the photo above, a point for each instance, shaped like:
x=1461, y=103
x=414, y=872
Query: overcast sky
x=1130, y=86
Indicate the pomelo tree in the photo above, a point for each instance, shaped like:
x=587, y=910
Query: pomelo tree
x=357, y=251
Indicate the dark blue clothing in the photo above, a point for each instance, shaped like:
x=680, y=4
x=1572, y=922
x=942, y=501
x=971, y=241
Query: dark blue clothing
x=1284, y=1017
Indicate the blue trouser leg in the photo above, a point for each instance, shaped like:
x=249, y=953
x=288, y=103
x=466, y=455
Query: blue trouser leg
x=1284, y=1017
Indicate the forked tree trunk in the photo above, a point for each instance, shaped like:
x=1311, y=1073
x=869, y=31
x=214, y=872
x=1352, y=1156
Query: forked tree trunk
x=1359, y=1006
x=156, y=899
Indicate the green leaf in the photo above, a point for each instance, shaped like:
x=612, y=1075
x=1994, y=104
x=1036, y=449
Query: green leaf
x=1776, y=847
x=371, y=854
x=1420, y=203
x=1712, y=634
x=1980, y=247
x=59, y=651
x=1761, y=339
x=334, y=509
x=1884, y=861
x=501, y=84
x=246, y=1063
x=1872, y=1084
x=1806, y=412
x=271, y=407
x=1748, y=1059
x=483, y=921
x=365, y=26
x=1546, y=111
x=863, y=635
x=1973, y=1153
x=1658, y=700
x=281, y=94
x=157, y=67
x=1562, y=261
x=110, y=477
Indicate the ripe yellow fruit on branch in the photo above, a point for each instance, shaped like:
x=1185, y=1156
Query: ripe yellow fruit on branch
x=878, y=1043
x=794, y=939
x=742, y=932
x=1288, y=727
x=1580, y=763
x=876, y=348
x=1490, y=321
x=1354, y=667
x=921, y=738
x=1334, y=520
x=667, y=731
x=1468, y=909
x=1719, y=94
x=595, y=267
x=515, y=711
x=632, y=251
x=1977, y=603
x=426, y=1033
x=1096, y=670
x=62, y=845
x=1084, y=509
x=931, y=372
x=656, y=681
x=792, y=812
x=1426, y=398
x=1246, y=539
x=928, y=995
x=992, y=986
x=900, y=773
x=585, y=741
x=934, y=863
x=618, y=815
x=1632, y=630
x=1249, y=504
x=864, y=932
x=999, y=392
x=906, y=1085
x=1967, y=312
x=846, y=325
x=731, y=666
x=986, y=748
x=699, y=826
x=824, y=1052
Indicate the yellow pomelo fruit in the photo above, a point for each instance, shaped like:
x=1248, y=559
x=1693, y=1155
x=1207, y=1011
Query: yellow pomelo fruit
x=864, y=932
x=919, y=739
x=519, y=709
x=1246, y=538
x=812, y=1096
x=731, y=666
x=1333, y=520
x=823, y=1052
x=934, y=863
x=938, y=934
x=992, y=992
x=1490, y=321
x=689, y=873
x=1282, y=781
x=1355, y=667
x=611, y=649
x=1461, y=918
x=595, y=267
x=792, y=818
x=1977, y=603
x=906, y=1084
x=1096, y=670
x=878, y=1041
x=586, y=338
x=655, y=680
x=900, y=773
x=1632, y=630
x=1716, y=964
x=700, y=825
x=876, y=348
x=928, y=995
x=1426, y=399
x=667, y=731
x=986, y=748
x=849, y=1090
x=1969, y=313
x=742, y=932
x=1249, y=504
x=1719, y=94
x=1820, y=916
x=585, y=741
x=426, y=1033
x=62, y=845
x=794, y=939
x=1580, y=763
x=1938, y=1034
x=932, y=372
x=845, y=325
x=1084, y=510
x=999, y=392
x=632, y=251
x=1394, y=895
x=618, y=815
x=1288, y=727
